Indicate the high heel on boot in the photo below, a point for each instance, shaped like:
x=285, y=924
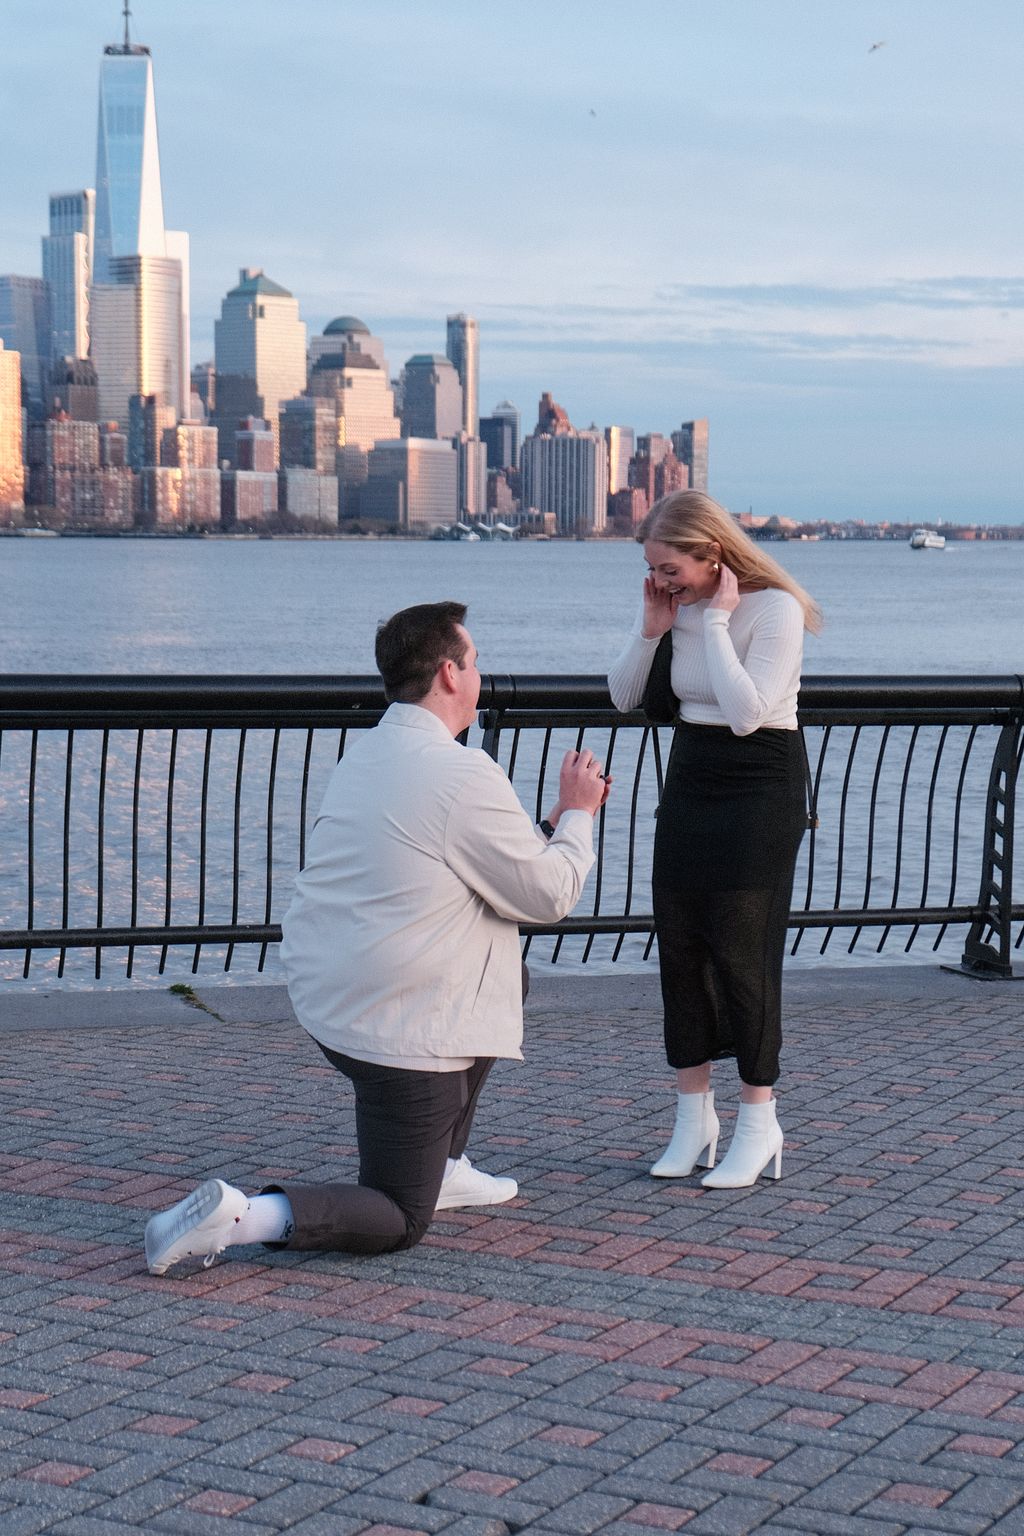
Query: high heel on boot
x=694, y=1137
x=756, y=1143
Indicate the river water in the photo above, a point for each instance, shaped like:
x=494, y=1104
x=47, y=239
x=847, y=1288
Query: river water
x=193, y=606
x=146, y=606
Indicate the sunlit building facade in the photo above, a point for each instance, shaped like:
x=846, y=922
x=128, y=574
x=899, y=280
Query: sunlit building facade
x=353, y=377
x=260, y=351
x=412, y=483
x=71, y=481
x=361, y=393
x=67, y=271
x=621, y=443
x=136, y=334
x=12, y=469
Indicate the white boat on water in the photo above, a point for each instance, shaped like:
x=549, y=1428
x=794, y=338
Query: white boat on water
x=927, y=538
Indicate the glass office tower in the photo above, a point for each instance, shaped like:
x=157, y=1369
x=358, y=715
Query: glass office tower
x=139, y=300
x=463, y=351
x=67, y=271
x=129, y=199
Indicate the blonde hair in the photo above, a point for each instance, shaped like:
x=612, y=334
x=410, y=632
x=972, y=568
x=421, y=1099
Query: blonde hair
x=693, y=523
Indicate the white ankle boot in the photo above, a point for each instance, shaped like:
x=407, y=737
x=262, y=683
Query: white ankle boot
x=756, y=1142
x=694, y=1137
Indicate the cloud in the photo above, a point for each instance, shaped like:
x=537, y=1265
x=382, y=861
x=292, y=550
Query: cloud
x=942, y=322
x=924, y=293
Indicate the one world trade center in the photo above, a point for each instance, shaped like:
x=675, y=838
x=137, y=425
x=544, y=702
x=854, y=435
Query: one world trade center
x=139, y=302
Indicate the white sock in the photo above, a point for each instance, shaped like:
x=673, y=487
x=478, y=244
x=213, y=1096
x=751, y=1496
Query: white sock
x=268, y=1219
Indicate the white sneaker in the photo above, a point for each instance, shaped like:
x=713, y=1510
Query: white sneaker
x=197, y=1227
x=465, y=1185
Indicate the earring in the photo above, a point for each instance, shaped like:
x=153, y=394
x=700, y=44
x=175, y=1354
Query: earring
x=715, y=566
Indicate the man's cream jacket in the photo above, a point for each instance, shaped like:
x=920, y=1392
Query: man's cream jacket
x=402, y=938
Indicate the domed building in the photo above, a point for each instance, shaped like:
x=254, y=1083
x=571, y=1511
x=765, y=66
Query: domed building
x=345, y=333
x=347, y=367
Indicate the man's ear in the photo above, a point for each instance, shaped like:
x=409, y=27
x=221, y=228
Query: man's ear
x=445, y=675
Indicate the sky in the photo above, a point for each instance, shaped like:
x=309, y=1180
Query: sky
x=657, y=211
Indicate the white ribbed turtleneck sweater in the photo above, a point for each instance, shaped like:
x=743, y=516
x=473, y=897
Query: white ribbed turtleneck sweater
x=740, y=669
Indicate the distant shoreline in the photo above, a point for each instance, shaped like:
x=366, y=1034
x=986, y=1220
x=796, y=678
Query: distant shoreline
x=814, y=533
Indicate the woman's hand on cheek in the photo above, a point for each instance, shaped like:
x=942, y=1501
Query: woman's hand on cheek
x=660, y=608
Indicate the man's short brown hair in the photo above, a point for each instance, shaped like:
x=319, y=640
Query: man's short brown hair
x=412, y=644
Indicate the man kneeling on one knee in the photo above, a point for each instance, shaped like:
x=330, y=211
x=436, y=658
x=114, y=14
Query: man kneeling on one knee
x=401, y=948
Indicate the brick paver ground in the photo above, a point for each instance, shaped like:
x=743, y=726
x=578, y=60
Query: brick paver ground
x=840, y=1353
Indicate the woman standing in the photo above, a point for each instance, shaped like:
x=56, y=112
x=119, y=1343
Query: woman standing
x=732, y=813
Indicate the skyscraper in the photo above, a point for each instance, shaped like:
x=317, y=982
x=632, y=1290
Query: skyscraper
x=308, y=434
x=498, y=437
x=355, y=377
x=691, y=448
x=12, y=469
x=352, y=374
x=510, y=413
x=621, y=446
x=260, y=348
x=566, y=472
x=472, y=493
x=346, y=331
x=25, y=329
x=413, y=483
x=137, y=337
x=653, y=446
x=140, y=296
x=463, y=351
x=67, y=271
x=74, y=388
x=431, y=397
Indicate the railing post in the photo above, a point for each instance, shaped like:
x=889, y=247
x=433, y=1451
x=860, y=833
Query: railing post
x=490, y=724
x=988, y=961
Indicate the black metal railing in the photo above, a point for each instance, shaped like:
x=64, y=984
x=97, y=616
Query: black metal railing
x=161, y=812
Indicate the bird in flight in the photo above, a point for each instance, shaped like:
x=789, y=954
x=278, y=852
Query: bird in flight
x=876, y=45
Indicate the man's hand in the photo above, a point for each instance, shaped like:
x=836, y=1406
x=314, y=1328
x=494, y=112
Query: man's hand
x=581, y=785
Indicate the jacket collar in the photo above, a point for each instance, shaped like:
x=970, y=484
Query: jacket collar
x=417, y=718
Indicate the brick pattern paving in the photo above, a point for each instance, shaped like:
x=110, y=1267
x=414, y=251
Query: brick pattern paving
x=842, y=1352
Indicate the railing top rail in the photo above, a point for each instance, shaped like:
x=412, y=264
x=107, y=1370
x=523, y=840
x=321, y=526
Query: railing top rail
x=25, y=697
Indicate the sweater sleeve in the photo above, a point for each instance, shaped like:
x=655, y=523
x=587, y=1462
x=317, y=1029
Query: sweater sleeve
x=627, y=678
x=748, y=691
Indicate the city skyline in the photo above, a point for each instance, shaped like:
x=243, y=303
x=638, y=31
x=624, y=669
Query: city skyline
x=813, y=244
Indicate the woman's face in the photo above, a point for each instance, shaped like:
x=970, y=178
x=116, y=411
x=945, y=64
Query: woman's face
x=689, y=577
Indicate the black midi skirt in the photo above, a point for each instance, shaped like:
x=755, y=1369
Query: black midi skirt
x=733, y=811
